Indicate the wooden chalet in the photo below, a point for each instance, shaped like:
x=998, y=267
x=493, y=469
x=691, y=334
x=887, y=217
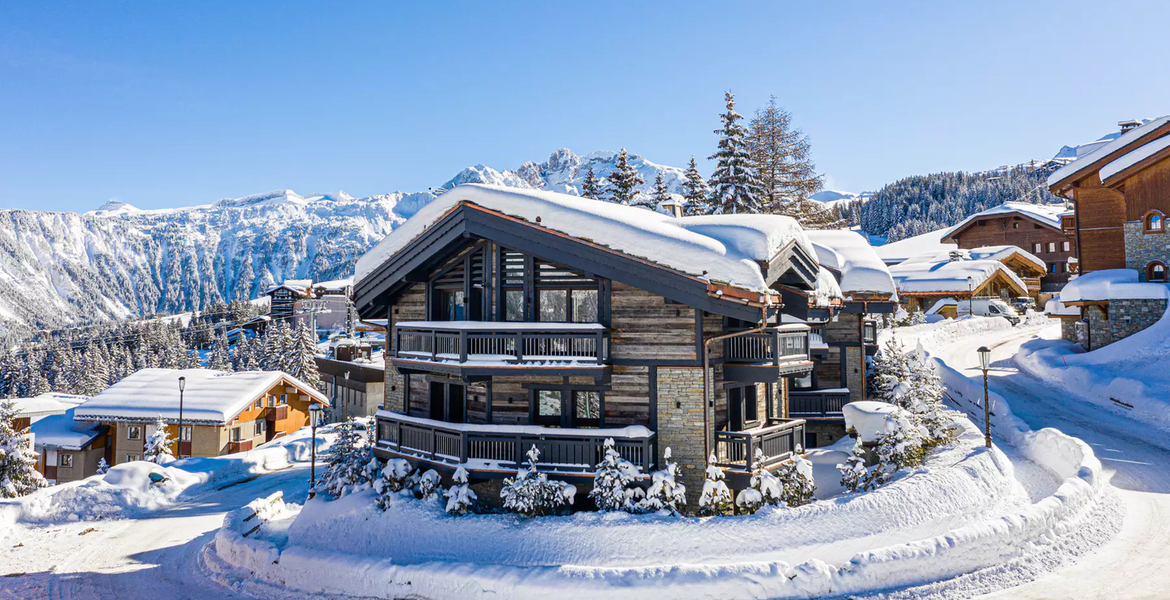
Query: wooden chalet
x=922, y=283
x=1033, y=228
x=519, y=318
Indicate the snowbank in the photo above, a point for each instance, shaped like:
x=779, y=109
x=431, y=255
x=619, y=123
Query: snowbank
x=1111, y=284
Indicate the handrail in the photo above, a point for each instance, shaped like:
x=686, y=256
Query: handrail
x=506, y=342
x=817, y=403
x=771, y=346
x=736, y=450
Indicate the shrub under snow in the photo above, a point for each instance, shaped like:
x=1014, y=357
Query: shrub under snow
x=796, y=481
x=158, y=445
x=665, y=494
x=429, y=485
x=716, y=498
x=18, y=473
x=530, y=492
x=351, y=466
x=460, y=497
x=612, y=480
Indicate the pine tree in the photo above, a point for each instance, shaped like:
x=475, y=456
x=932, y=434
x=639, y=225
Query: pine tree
x=735, y=186
x=18, y=461
x=855, y=477
x=665, y=492
x=659, y=196
x=96, y=375
x=591, y=185
x=780, y=155
x=305, y=366
x=796, y=482
x=348, y=470
x=613, y=477
x=695, y=190
x=530, y=493
x=158, y=445
x=220, y=357
x=102, y=467
x=716, y=498
x=460, y=497
x=623, y=180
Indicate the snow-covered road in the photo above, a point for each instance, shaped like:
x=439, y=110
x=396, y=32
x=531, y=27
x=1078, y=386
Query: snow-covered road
x=1136, y=457
x=153, y=557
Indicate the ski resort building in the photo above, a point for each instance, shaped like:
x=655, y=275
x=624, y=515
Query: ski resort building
x=1036, y=230
x=223, y=413
x=69, y=450
x=519, y=318
x=1121, y=195
x=842, y=338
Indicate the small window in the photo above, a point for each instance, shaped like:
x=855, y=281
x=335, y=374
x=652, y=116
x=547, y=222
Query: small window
x=1156, y=271
x=235, y=434
x=133, y=457
x=133, y=432
x=1015, y=225
x=584, y=306
x=259, y=403
x=513, y=305
x=751, y=406
x=272, y=401
x=1066, y=246
x=260, y=427
x=553, y=306
x=1154, y=222
x=185, y=434
x=284, y=398
x=587, y=408
x=1052, y=246
x=66, y=460
x=1036, y=248
x=548, y=407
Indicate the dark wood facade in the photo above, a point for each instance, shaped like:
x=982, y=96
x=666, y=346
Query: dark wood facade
x=1050, y=244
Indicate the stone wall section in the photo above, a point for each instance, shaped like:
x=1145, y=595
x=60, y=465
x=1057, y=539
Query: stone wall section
x=1143, y=248
x=680, y=424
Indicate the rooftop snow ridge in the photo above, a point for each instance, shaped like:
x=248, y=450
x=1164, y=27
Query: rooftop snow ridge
x=1085, y=161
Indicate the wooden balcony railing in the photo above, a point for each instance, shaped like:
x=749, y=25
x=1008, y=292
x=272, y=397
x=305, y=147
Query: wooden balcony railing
x=503, y=447
x=241, y=446
x=463, y=341
x=1033, y=283
x=276, y=413
x=774, y=346
x=817, y=404
x=736, y=450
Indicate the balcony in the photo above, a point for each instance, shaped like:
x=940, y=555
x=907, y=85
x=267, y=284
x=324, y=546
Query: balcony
x=817, y=404
x=736, y=450
x=1033, y=284
x=469, y=347
x=765, y=357
x=240, y=446
x=276, y=413
x=496, y=450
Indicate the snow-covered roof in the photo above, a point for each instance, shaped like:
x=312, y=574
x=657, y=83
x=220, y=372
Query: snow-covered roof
x=1083, y=164
x=210, y=396
x=725, y=248
x=919, y=245
x=335, y=285
x=997, y=253
x=1048, y=214
x=291, y=286
x=851, y=255
x=62, y=432
x=1111, y=284
x=926, y=277
x=1132, y=158
x=827, y=289
x=1056, y=308
x=49, y=403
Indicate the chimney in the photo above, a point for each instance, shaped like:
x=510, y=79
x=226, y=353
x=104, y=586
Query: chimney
x=1129, y=124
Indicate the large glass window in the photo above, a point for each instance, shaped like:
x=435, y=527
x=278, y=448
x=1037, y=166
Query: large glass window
x=549, y=407
x=513, y=305
x=566, y=407
x=553, y=305
x=587, y=408
x=584, y=306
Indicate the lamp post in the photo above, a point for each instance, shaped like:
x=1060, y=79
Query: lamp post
x=314, y=416
x=984, y=363
x=970, y=296
x=182, y=386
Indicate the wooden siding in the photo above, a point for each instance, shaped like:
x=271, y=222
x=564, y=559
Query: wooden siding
x=1101, y=214
x=997, y=231
x=628, y=401
x=1146, y=190
x=644, y=326
x=411, y=306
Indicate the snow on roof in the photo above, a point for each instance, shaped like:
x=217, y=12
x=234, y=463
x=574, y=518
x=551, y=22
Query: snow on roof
x=923, y=277
x=1132, y=158
x=298, y=286
x=49, y=403
x=1049, y=214
x=927, y=243
x=210, y=396
x=851, y=255
x=723, y=248
x=997, y=253
x=827, y=289
x=1111, y=284
x=1057, y=308
x=1083, y=163
x=337, y=284
x=62, y=432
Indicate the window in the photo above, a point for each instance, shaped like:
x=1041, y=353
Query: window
x=568, y=407
x=259, y=428
x=133, y=457
x=1156, y=271
x=284, y=398
x=1066, y=246
x=802, y=383
x=513, y=305
x=1015, y=225
x=1154, y=222
x=185, y=434
x=548, y=407
x=1052, y=246
x=272, y=401
x=259, y=403
x=66, y=460
x=1036, y=248
x=133, y=432
x=553, y=305
x=235, y=436
x=1051, y=268
x=586, y=408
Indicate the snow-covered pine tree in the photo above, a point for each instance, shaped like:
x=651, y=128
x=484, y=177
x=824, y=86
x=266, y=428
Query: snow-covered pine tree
x=530, y=493
x=391, y=481
x=158, y=445
x=658, y=196
x=306, y=349
x=591, y=185
x=891, y=367
x=348, y=469
x=854, y=476
x=796, y=481
x=665, y=492
x=275, y=343
x=623, y=180
x=97, y=373
x=613, y=476
x=220, y=358
x=18, y=462
x=735, y=186
x=429, y=486
x=102, y=467
x=460, y=497
x=769, y=486
x=716, y=498
x=695, y=191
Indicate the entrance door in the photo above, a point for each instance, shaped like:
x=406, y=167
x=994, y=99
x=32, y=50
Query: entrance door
x=455, y=394
x=438, y=400
x=451, y=305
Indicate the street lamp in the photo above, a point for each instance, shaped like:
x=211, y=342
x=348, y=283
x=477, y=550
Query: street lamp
x=970, y=296
x=984, y=363
x=182, y=386
x=314, y=416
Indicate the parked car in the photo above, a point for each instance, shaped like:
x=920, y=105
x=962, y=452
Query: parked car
x=987, y=307
x=1023, y=304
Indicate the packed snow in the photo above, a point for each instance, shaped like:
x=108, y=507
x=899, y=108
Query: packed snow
x=210, y=396
x=724, y=248
x=851, y=255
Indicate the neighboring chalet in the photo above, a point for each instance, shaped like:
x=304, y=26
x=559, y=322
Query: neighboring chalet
x=922, y=282
x=355, y=386
x=1121, y=195
x=842, y=337
x=223, y=413
x=68, y=449
x=1034, y=228
x=283, y=298
x=324, y=305
x=520, y=318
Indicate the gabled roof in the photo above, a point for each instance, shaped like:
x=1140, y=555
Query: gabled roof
x=1000, y=253
x=1133, y=162
x=63, y=432
x=858, y=268
x=1044, y=214
x=950, y=277
x=721, y=261
x=926, y=243
x=210, y=397
x=1066, y=176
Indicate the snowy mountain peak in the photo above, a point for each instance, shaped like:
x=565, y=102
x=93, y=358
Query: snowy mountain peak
x=114, y=208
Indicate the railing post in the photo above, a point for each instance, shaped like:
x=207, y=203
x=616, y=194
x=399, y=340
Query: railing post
x=776, y=347
x=600, y=347
x=462, y=345
x=464, y=446
x=519, y=346
x=750, y=451
x=434, y=343
x=519, y=451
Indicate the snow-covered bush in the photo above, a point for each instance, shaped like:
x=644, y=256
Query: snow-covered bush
x=103, y=467
x=748, y=501
x=158, y=445
x=351, y=466
x=665, y=494
x=390, y=481
x=796, y=481
x=530, y=492
x=901, y=445
x=854, y=476
x=429, y=485
x=18, y=461
x=766, y=483
x=612, y=480
x=460, y=497
x=716, y=498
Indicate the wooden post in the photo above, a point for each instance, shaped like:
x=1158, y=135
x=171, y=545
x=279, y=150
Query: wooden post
x=462, y=345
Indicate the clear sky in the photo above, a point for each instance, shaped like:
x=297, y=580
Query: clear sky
x=169, y=104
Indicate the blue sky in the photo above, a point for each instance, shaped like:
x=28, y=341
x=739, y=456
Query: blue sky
x=168, y=104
